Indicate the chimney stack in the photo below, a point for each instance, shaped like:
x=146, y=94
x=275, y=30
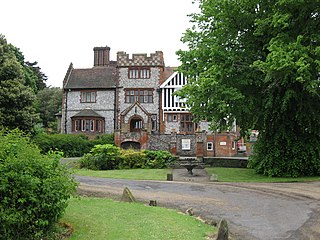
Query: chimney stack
x=101, y=56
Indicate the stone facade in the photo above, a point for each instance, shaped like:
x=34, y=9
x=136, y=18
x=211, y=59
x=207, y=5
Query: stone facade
x=104, y=106
x=133, y=98
x=126, y=83
x=138, y=99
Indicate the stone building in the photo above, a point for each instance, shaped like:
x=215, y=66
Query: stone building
x=89, y=97
x=132, y=97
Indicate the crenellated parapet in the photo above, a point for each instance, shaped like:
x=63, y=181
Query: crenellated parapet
x=140, y=60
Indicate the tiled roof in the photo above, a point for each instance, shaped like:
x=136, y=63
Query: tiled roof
x=168, y=71
x=87, y=113
x=91, y=78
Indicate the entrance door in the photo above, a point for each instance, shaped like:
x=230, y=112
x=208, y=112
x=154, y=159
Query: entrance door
x=135, y=124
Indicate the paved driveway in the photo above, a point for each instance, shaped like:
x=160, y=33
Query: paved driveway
x=254, y=211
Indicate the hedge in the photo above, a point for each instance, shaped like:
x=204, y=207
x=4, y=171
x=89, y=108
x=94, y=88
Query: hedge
x=72, y=145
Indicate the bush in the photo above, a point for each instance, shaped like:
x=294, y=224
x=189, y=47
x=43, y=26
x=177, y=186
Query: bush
x=131, y=158
x=103, y=139
x=159, y=159
x=108, y=157
x=72, y=145
x=101, y=157
x=34, y=190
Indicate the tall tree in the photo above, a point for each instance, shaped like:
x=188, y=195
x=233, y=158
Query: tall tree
x=49, y=102
x=258, y=62
x=34, y=78
x=16, y=99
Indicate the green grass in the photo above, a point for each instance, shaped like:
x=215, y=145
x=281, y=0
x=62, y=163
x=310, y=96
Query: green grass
x=224, y=175
x=249, y=175
x=100, y=219
x=137, y=174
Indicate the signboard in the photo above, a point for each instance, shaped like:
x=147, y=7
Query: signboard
x=223, y=143
x=185, y=144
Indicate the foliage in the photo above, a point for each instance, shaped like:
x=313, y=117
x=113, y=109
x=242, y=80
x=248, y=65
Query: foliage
x=103, y=139
x=33, y=76
x=34, y=190
x=302, y=158
x=16, y=99
x=159, y=159
x=48, y=103
x=109, y=157
x=101, y=218
x=131, y=158
x=101, y=157
x=258, y=62
x=72, y=145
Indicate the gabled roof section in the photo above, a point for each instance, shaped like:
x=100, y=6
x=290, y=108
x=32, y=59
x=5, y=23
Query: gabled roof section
x=87, y=113
x=125, y=112
x=90, y=78
x=176, y=80
x=168, y=79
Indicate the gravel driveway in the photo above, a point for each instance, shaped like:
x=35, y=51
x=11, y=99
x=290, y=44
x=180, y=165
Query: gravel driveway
x=254, y=211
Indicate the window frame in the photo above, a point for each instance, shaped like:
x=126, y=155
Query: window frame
x=88, y=96
x=209, y=143
x=87, y=125
x=172, y=117
x=139, y=73
x=154, y=122
x=132, y=95
x=186, y=123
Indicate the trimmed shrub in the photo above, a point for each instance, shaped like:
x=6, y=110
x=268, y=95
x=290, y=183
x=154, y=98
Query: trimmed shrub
x=72, y=145
x=101, y=157
x=34, y=190
x=131, y=158
x=159, y=159
x=103, y=139
x=109, y=157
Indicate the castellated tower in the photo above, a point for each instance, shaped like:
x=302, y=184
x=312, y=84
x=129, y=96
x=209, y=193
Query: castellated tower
x=138, y=99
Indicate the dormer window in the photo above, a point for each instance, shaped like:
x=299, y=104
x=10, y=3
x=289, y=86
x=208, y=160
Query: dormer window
x=139, y=72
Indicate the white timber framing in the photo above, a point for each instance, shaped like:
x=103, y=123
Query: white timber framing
x=171, y=103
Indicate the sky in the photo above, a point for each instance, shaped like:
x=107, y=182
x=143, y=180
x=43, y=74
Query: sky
x=57, y=32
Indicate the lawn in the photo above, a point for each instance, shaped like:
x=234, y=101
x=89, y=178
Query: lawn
x=137, y=174
x=224, y=175
x=249, y=175
x=100, y=219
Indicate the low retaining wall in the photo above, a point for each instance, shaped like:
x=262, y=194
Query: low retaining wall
x=236, y=162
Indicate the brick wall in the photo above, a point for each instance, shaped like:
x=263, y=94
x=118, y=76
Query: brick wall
x=225, y=144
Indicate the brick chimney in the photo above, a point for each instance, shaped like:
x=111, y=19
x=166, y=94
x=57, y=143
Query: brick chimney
x=101, y=56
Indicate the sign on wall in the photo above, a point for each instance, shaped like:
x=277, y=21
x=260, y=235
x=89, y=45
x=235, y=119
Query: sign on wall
x=186, y=144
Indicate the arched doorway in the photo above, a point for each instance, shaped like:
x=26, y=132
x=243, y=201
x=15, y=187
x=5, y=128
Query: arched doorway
x=136, y=124
x=131, y=144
